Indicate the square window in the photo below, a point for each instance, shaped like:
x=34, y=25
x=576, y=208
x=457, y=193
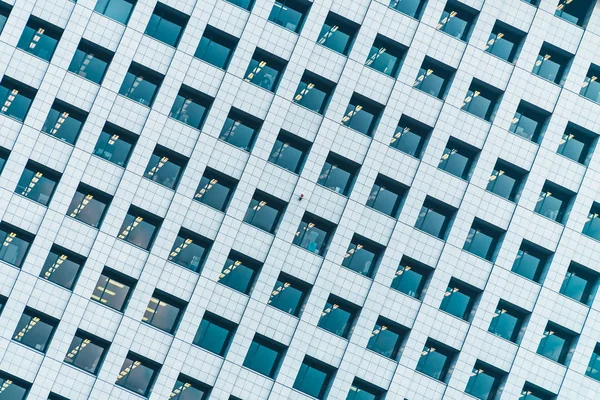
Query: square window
x=362, y=390
x=314, y=234
x=265, y=70
x=590, y=87
x=113, y=289
x=40, y=38
x=591, y=227
x=580, y=283
x=38, y=183
x=483, y=240
x=576, y=12
x=35, y=330
x=338, y=174
x=314, y=378
x=434, y=78
x=593, y=368
x=4, y=154
x=386, y=56
x=436, y=360
x=119, y=10
x=166, y=24
x=458, y=158
x=141, y=84
x=5, y=10
x=216, y=47
x=387, y=196
x=533, y=392
x=140, y=228
x=412, y=8
x=64, y=122
x=411, y=277
x=363, y=256
x=245, y=4
x=457, y=20
x=529, y=122
x=265, y=211
x=62, y=267
x=14, y=388
x=138, y=374
x=265, y=356
x=86, y=352
x=15, y=244
x=459, y=299
x=362, y=114
x=531, y=261
x=508, y=321
x=240, y=129
x=165, y=167
x=485, y=381
x=506, y=180
x=16, y=97
x=239, y=272
x=410, y=136
x=558, y=343
x=552, y=63
x=577, y=143
x=290, y=13
x=164, y=311
x=505, y=41
x=190, y=250
x=191, y=107
x=338, y=33
x=115, y=144
x=187, y=388
x=435, y=218
x=338, y=316
x=554, y=202
x=215, y=334
x=215, y=189
x=314, y=92
x=387, y=338
x=482, y=100
x=290, y=152
x=91, y=61
x=89, y=205
x=289, y=294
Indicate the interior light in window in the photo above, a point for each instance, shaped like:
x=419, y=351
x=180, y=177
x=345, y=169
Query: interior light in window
x=422, y=76
x=469, y=98
x=490, y=42
x=130, y=227
x=330, y=32
x=304, y=91
x=34, y=179
x=444, y=21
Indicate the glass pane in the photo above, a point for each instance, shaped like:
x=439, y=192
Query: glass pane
x=111, y=292
x=136, y=377
x=504, y=324
x=408, y=7
x=287, y=156
x=86, y=65
x=188, y=253
x=431, y=221
x=161, y=315
x=408, y=281
x=237, y=276
x=456, y=303
x=551, y=346
x=84, y=354
x=479, y=244
x=37, y=41
x=33, y=332
x=11, y=389
x=138, y=89
x=136, y=230
x=332, y=37
x=36, y=185
x=384, y=341
x=161, y=169
x=188, y=110
x=310, y=96
x=119, y=10
x=60, y=269
x=286, y=297
x=432, y=363
x=335, y=178
x=237, y=134
x=335, y=319
x=213, y=192
x=162, y=27
x=87, y=208
x=113, y=148
x=407, y=141
x=14, y=247
x=311, y=237
x=212, y=337
x=286, y=16
x=262, y=359
x=262, y=215
x=311, y=380
x=481, y=385
x=62, y=125
x=527, y=265
x=574, y=286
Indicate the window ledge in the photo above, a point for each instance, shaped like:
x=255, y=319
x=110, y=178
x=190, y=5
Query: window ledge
x=357, y=131
x=384, y=214
x=512, y=202
x=135, y=101
x=208, y=351
x=454, y=316
x=513, y=63
x=330, y=49
x=403, y=152
x=457, y=177
x=381, y=355
x=565, y=366
x=479, y=257
x=20, y=121
x=159, y=184
x=160, y=41
x=501, y=338
x=33, y=201
x=183, y=123
x=271, y=92
x=207, y=63
x=105, y=306
x=157, y=329
x=334, y=334
x=285, y=169
x=236, y=6
x=477, y=116
x=107, y=17
x=235, y=290
x=465, y=41
x=429, y=234
x=322, y=115
x=331, y=190
x=38, y=57
x=311, y=252
x=206, y=205
x=28, y=347
x=407, y=295
x=140, y=396
x=547, y=218
x=400, y=12
x=431, y=377
x=526, y=278
x=235, y=147
x=441, y=99
x=572, y=299
x=84, y=223
x=558, y=85
x=523, y=137
x=283, y=27
x=56, y=138
x=570, y=159
x=383, y=73
x=86, y=79
x=81, y=370
x=9, y=264
x=57, y=285
x=110, y=162
x=184, y=267
x=132, y=244
x=260, y=229
x=358, y=273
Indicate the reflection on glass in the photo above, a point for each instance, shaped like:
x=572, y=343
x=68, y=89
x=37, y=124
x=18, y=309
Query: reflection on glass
x=216, y=47
x=39, y=38
x=139, y=228
x=166, y=24
x=137, y=375
x=113, y=290
x=62, y=267
x=119, y=10
x=86, y=352
x=215, y=190
x=34, y=330
x=90, y=61
x=37, y=183
x=115, y=145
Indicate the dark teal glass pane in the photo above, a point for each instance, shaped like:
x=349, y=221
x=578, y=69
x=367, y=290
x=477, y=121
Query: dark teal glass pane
x=433, y=363
x=479, y=244
x=332, y=37
x=188, y=110
x=287, y=156
x=61, y=269
x=237, y=276
x=37, y=185
x=283, y=14
x=88, y=65
x=527, y=265
x=456, y=302
x=119, y=10
x=412, y=8
x=238, y=134
x=408, y=281
x=114, y=148
x=213, y=336
x=138, y=89
x=311, y=381
x=335, y=319
x=36, y=40
x=552, y=346
x=262, y=359
x=481, y=385
x=384, y=341
x=16, y=102
x=33, y=332
x=432, y=222
x=504, y=324
x=286, y=297
x=188, y=252
x=12, y=390
x=214, y=192
x=63, y=124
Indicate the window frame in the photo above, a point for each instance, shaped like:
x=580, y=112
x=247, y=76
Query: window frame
x=145, y=362
x=61, y=252
x=212, y=174
x=121, y=134
x=86, y=191
x=98, y=52
x=120, y=278
x=104, y=344
x=137, y=212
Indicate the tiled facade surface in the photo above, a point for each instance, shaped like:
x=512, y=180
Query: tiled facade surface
x=175, y=353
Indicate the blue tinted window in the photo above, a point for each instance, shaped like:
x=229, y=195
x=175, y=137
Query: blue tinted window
x=141, y=85
x=530, y=262
x=14, y=388
x=412, y=8
x=215, y=190
x=240, y=130
x=507, y=321
x=64, y=122
x=86, y=352
x=239, y=273
x=337, y=317
x=90, y=61
x=313, y=234
x=191, y=107
x=115, y=145
x=410, y=278
x=457, y=20
x=189, y=250
x=166, y=24
x=215, y=334
x=434, y=218
x=288, y=295
x=313, y=92
x=433, y=78
x=289, y=13
x=459, y=299
x=337, y=33
x=37, y=183
x=314, y=378
x=119, y=10
x=62, y=267
x=264, y=356
x=34, y=330
x=216, y=47
x=139, y=228
x=138, y=374
x=39, y=38
x=435, y=360
x=289, y=152
x=386, y=338
x=16, y=98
